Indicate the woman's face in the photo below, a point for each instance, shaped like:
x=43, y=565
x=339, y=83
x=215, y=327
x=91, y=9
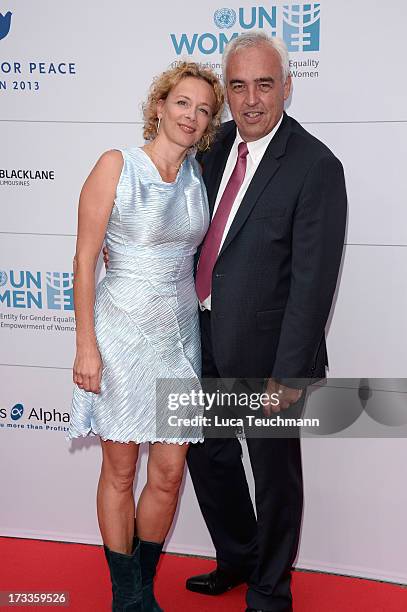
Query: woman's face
x=187, y=111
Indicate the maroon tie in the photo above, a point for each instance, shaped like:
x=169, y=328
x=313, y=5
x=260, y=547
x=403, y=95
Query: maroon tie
x=213, y=238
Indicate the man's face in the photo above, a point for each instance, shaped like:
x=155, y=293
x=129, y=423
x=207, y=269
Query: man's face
x=255, y=90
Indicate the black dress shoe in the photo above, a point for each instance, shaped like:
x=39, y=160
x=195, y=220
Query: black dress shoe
x=215, y=583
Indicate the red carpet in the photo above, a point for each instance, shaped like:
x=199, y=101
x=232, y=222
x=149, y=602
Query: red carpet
x=32, y=565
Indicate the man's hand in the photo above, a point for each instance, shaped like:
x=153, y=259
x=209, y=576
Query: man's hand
x=105, y=256
x=286, y=397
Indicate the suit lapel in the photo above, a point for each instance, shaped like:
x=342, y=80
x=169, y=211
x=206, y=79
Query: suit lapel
x=263, y=175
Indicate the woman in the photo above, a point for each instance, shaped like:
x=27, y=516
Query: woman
x=150, y=204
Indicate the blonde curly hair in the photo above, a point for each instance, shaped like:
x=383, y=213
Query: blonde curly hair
x=165, y=82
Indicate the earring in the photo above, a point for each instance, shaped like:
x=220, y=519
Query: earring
x=158, y=124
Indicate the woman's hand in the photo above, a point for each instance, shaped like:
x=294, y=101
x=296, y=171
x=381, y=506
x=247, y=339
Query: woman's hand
x=87, y=369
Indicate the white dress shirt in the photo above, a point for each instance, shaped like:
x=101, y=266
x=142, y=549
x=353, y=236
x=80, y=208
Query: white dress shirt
x=256, y=149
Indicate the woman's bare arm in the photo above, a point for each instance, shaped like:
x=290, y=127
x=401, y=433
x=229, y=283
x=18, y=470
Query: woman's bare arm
x=95, y=206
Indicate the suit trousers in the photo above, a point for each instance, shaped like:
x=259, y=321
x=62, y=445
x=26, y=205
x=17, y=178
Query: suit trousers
x=261, y=550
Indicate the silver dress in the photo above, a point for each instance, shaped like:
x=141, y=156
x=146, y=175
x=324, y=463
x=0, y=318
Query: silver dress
x=146, y=308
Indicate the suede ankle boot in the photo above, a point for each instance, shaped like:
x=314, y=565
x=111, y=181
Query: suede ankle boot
x=125, y=574
x=149, y=556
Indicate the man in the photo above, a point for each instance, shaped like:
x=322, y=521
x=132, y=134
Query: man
x=266, y=278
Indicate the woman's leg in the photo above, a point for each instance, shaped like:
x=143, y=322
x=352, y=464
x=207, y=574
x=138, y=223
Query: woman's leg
x=115, y=499
x=155, y=511
x=115, y=505
x=158, y=500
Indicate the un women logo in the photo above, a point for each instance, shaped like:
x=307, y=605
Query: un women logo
x=224, y=18
x=60, y=290
x=301, y=27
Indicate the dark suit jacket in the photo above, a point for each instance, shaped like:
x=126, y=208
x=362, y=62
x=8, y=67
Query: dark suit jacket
x=275, y=277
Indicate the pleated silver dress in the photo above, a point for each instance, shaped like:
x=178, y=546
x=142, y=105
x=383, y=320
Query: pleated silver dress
x=146, y=308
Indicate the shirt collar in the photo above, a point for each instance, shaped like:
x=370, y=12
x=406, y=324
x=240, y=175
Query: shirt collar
x=257, y=148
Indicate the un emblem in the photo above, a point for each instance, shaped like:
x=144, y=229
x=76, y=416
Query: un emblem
x=3, y=278
x=224, y=18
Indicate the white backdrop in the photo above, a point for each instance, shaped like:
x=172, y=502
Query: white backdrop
x=72, y=78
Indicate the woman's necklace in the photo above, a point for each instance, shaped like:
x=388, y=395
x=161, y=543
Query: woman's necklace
x=176, y=166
